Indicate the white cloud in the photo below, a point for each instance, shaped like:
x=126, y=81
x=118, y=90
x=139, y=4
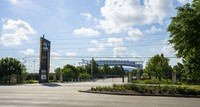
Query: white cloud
x=94, y=41
x=102, y=44
x=99, y=46
x=136, y=56
x=18, y=31
x=87, y=15
x=55, y=55
x=28, y=52
x=184, y=1
x=92, y=49
x=29, y=7
x=21, y=3
x=134, y=35
x=168, y=49
x=119, y=51
x=71, y=54
x=114, y=42
x=86, y=32
x=153, y=30
x=121, y=14
x=18, y=26
x=14, y=2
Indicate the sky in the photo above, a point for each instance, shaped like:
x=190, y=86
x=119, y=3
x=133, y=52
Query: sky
x=81, y=29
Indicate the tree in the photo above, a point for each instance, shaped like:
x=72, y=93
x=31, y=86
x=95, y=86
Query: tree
x=158, y=66
x=80, y=69
x=95, y=68
x=58, y=72
x=122, y=73
x=88, y=68
x=73, y=70
x=84, y=76
x=185, y=36
x=67, y=74
x=106, y=69
x=11, y=66
x=181, y=74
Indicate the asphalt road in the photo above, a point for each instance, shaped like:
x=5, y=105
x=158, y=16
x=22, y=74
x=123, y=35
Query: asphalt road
x=67, y=95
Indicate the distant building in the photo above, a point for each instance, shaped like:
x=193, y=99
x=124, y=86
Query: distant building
x=136, y=64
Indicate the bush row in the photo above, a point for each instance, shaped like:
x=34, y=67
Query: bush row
x=31, y=81
x=152, y=89
x=153, y=81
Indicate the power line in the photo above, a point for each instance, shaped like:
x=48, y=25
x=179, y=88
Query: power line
x=105, y=42
x=74, y=57
x=106, y=47
x=85, y=38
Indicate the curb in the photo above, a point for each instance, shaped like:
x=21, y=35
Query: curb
x=139, y=94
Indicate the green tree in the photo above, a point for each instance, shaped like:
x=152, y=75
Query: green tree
x=106, y=69
x=134, y=72
x=24, y=73
x=95, y=68
x=116, y=70
x=122, y=73
x=185, y=36
x=181, y=74
x=84, y=76
x=88, y=68
x=67, y=74
x=58, y=72
x=158, y=66
x=10, y=66
x=74, y=70
x=80, y=69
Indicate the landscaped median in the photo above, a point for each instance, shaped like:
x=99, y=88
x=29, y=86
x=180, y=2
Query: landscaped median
x=149, y=90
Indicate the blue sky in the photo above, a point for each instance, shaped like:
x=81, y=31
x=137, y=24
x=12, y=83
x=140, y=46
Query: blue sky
x=86, y=28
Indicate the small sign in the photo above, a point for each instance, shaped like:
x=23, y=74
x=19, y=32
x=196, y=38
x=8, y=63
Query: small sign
x=43, y=71
x=43, y=77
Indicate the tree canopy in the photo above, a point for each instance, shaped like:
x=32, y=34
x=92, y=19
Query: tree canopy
x=158, y=67
x=185, y=36
x=10, y=66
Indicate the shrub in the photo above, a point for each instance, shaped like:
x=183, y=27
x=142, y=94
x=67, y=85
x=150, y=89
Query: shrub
x=145, y=76
x=155, y=89
x=152, y=81
x=32, y=81
x=166, y=81
x=138, y=81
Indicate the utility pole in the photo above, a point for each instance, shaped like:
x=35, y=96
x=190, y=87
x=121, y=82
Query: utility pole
x=34, y=69
x=92, y=70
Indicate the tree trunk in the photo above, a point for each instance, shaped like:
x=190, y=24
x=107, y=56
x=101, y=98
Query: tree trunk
x=9, y=77
x=123, y=78
x=149, y=75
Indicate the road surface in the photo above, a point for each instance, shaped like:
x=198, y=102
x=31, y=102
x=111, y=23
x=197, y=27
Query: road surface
x=67, y=95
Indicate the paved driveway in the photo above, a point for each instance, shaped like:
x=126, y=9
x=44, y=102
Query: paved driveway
x=67, y=95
